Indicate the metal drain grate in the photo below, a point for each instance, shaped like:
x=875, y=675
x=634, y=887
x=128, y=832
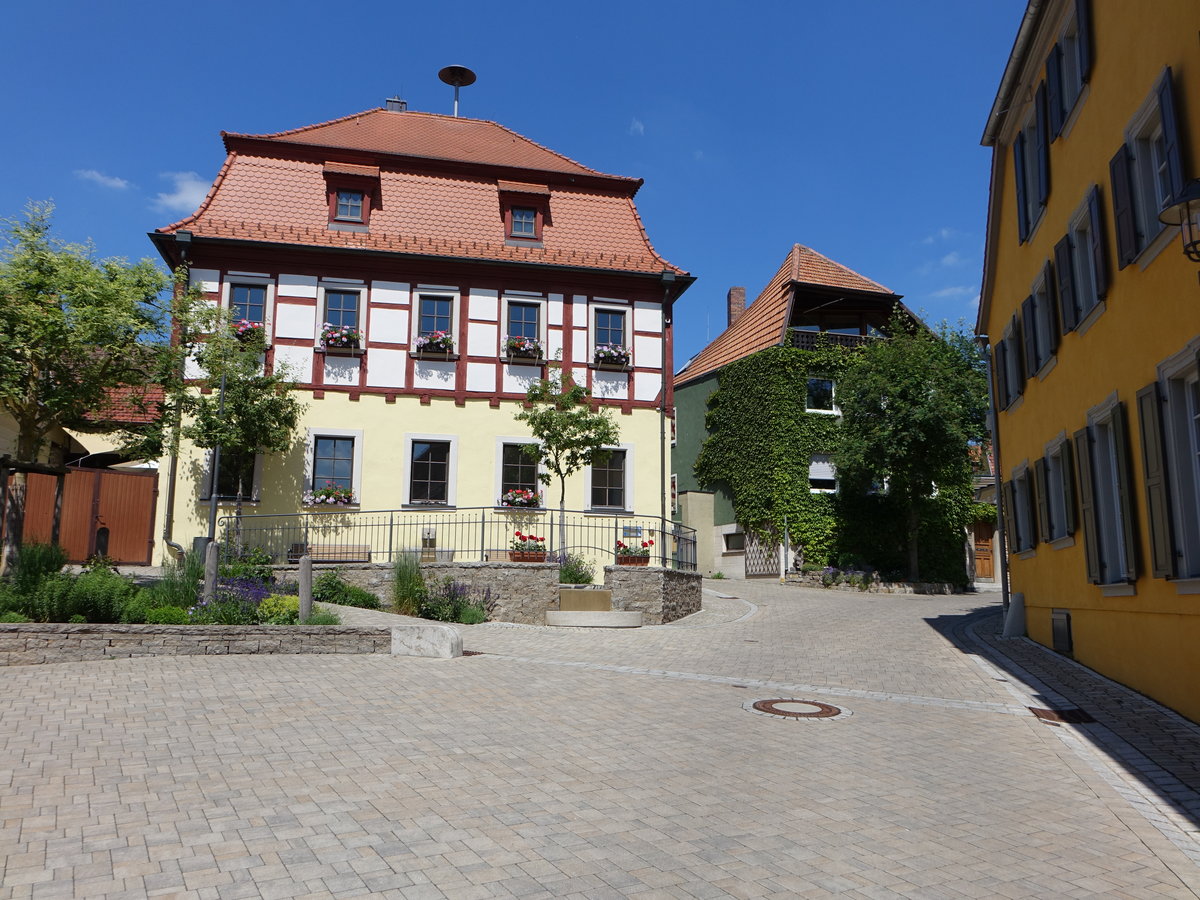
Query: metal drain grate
x=472, y=653
x=1061, y=716
x=796, y=710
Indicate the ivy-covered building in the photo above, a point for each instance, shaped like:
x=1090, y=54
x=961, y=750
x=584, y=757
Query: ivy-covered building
x=784, y=352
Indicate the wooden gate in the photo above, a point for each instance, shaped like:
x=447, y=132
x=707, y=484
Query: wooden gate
x=761, y=559
x=982, y=543
x=104, y=512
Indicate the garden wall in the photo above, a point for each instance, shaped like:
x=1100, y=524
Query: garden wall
x=662, y=595
x=29, y=644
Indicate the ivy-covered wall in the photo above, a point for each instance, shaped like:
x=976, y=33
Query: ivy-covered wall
x=758, y=445
x=691, y=406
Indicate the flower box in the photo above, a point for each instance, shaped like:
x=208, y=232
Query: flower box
x=633, y=560
x=518, y=498
x=611, y=356
x=527, y=556
x=523, y=359
x=439, y=342
x=335, y=339
x=343, y=351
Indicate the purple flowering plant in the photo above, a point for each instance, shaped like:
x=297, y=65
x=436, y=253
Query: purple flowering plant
x=611, y=354
x=340, y=336
x=332, y=494
x=436, y=342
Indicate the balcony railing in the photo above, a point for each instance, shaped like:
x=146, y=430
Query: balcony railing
x=815, y=340
x=474, y=534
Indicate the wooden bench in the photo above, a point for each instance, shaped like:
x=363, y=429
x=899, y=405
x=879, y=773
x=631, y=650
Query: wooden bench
x=331, y=553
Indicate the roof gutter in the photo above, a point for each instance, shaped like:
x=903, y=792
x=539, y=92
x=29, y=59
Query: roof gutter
x=1012, y=72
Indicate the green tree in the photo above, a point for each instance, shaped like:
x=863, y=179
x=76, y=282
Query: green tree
x=571, y=434
x=73, y=329
x=911, y=406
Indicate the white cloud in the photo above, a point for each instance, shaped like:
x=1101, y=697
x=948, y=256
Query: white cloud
x=190, y=190
x=637, y=128
x=942, y=234
x=108, y=181
x=953, y=258
x=698, y=155
x=947, y=293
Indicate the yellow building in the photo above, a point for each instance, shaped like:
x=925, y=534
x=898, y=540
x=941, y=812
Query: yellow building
x=415, y=273
x=1092, y=313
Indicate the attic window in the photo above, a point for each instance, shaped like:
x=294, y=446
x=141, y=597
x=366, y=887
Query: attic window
x=352, y=191
x=525, y=208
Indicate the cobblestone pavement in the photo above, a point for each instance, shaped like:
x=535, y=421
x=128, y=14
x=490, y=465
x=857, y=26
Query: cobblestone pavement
x=575, y=763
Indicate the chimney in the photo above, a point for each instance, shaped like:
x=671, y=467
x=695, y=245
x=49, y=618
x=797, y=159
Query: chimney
x=395, y=104
x=737, y=303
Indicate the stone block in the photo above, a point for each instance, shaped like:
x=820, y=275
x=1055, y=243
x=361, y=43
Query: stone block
x=436, y=641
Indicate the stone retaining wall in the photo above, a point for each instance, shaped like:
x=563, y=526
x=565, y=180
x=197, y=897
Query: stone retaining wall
x=813, y=579
x=29, y=644
x=522, y=591
x=662, y=595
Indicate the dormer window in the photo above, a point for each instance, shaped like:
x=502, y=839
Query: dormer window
x=349, y=206
x=525, y=209
x=524, y=222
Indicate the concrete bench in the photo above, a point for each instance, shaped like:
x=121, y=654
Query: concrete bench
x=331, y=553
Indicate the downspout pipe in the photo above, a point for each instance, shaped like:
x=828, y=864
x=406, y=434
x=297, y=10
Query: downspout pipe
x=183, y=240
x=668, y=281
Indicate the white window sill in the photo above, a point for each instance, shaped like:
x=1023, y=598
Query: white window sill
x=1118, y=590
x=601, y=511
x=1015, y=405
x=1069, y=122
x=1026, y=554
x=1165, y=237
x=1062, y=543
x=1090, y=319
x=1047, y=367
x=1187, y=586
x=825, y=412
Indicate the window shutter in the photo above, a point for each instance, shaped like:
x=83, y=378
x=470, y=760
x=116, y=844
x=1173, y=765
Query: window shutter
x=1010, y=532
x=1052, y=311
x=1054, y=91
x=1042, y=499
x=1042, y=145
x=1118, y=169
x=1125, y=490
x=1083, y=27
x=1066, y=284
x=1158, y=497
x=1170, y=126
x=1018, y=357
x=1067, y=474
x=1087, y=508
x=1030, y=335
x=206, y=477
x=1000, y=374
x=1022, y=206
x=1099, y=255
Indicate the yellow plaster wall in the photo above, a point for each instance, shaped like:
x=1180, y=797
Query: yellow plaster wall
x=1147, y=641
x=384, y=426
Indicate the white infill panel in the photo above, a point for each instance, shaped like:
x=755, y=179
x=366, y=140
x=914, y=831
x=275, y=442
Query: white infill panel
x=436, y=374
x=485, y=305
x=647, y=316
x=481, y=339
x=646, y=385
x=296, y=360
x=554, y=309
x=341, y=370
x=385, y=368
x=554, y=344
x=298, y=286
x=209, y=280
x=293, y=321
x=389, y=292
x=610, y=385
x=389, y=325
x=580, y=351
x=518, y=379
x=481, y=378
x=191, y=368
x=647, y=351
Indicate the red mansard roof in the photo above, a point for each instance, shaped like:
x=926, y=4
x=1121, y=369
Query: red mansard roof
x=764, y=323
x=272, y=188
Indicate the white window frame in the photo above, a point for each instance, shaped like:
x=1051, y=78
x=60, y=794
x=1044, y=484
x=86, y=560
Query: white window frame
x=256, y=279
x=538, y=300
x=628, y=486
x=310, y=449
x=1022, y=514
x=1083, y=266
x=832, y=390
x=626, y=310
x=1073, y=87
x=1142, y=136
x=1107, y=510
x=1034, y=212
x=501, y=442
x=822, y=459
x=1180, y=378
x=451, y=471
x=1043, y=324
x=1056, y=456
x=343, y=286
x=434, y=290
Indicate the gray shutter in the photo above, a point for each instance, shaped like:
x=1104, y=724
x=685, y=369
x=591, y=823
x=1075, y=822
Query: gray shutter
x=1099, y=254
x=1042, y=145
x=1054, y=91
x=1042, y=499
x=1083, y=26
x=1067, y=474
x=1019, y=356
x=1011, y=541
x=1127, y=238
x=1066, y=284
x=1055, y=328
x=1170, y=127
x=1031, y=337
x=1000, y=373
x=1125, y=490
x=1154, y=467
x=206, y=476
x=1019, y=166
x=1087, y=507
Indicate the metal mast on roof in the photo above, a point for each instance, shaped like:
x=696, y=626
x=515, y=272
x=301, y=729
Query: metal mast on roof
x=458, y=76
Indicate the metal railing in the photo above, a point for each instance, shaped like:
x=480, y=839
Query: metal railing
x=817, y=340
x=470, y=534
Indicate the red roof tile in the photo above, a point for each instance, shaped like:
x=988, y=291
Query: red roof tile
x=764, y=323
x=278, y=199
x=129, y=406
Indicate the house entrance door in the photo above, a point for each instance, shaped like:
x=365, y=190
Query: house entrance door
x=984, y=564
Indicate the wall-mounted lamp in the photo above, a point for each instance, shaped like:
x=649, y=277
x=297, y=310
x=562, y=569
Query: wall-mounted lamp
x=1185, y=212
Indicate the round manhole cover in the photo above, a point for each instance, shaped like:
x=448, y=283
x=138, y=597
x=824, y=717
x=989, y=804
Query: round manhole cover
x=796, y=709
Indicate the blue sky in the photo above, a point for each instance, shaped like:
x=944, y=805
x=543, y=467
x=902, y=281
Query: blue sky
x=851, y=127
